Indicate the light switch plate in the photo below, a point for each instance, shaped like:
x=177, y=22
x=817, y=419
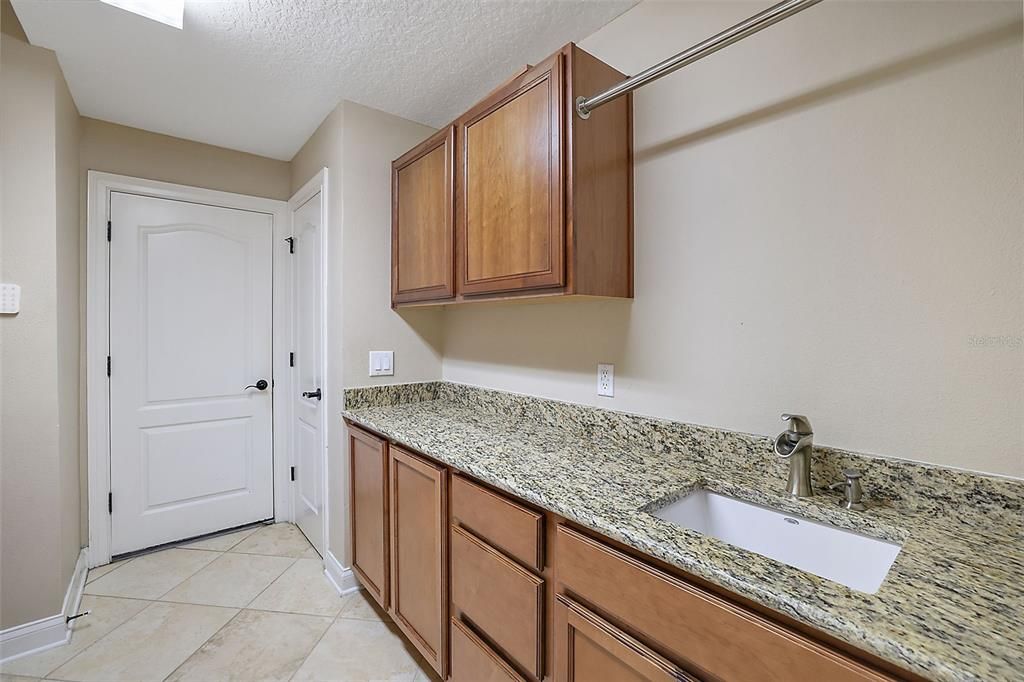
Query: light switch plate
x=382, y=363
x=10, y=299
x=606, y=380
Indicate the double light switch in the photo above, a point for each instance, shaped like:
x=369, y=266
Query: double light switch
x=382, y=363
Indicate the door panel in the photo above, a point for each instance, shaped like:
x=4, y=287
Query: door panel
x=190, y=328
x=308, y=426
x=422, y=227
x=419, y=495
x=368, y=480
x=511, y=212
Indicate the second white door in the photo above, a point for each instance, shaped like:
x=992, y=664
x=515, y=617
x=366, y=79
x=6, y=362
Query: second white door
x=191, y=429
x=308, y=429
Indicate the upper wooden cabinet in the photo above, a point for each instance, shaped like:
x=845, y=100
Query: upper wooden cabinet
x=422, y=222
x=511, y=222
x=542, y=198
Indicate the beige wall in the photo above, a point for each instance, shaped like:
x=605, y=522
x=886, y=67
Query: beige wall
x=828, y=216
x=357, y=145
x=39, y=506
x=119, y=149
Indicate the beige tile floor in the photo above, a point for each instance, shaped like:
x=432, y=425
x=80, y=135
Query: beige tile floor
x=250, y=605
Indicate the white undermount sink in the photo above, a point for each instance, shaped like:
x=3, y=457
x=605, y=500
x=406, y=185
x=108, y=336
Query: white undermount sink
x=855, y=560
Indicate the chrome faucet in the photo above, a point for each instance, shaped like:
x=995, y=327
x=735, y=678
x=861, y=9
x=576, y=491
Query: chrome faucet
x=794, y=444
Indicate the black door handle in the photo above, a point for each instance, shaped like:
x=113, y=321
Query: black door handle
x=260, y=385
x=311, y=394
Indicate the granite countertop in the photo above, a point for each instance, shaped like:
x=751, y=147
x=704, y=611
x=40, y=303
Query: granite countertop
x=951, y=607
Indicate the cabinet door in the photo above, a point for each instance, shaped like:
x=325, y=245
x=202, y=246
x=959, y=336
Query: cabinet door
x=422, y=221
x=590, y=648
x=419, y=557
x=368, y=478
x=511, y=217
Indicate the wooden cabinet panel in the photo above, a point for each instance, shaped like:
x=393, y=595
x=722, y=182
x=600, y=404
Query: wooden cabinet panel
x=587, y=647
x=502, y=599
x=713, y=636
x=511, y=203
x=511, y=527
x=422, y=221
x=419, y=559
x=474, y=661
x=368, y=466
x=543, y=200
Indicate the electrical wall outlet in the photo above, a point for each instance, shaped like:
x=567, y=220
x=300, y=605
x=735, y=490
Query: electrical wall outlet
x=382, y=363
x=606, y=380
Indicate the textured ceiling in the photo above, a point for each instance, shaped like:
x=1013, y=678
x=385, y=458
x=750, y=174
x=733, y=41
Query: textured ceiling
x=260, y=75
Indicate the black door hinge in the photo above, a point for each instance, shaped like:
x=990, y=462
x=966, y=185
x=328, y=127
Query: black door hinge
x=108, y=365
x=110, y=503
x=291, y=359
x=291, y=244
x=293, y=473
x=108, y=230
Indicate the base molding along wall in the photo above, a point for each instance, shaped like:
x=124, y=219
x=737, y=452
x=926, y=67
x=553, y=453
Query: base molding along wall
x=342, y=578
x=50, y=632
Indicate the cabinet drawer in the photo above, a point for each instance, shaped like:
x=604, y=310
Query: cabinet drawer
x=511, y=527
x=502, y=599
x=590, y=648
x=718, y=638
x=474, y=661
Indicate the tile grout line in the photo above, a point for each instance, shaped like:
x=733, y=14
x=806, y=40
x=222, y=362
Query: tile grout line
x=122, y=565
x=313, y=648
x=196, y=650
x=151, y=603
x=100, y=639
x=219, y=555
x=249, y=603
x=239, y=610
x=163, y=599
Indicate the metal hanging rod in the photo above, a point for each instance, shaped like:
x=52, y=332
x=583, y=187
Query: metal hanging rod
x=762, y=20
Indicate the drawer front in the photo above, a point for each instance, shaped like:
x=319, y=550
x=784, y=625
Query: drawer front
x=474, y=661
x=511, y=527
x=590, y=648
x=502, y=599
x=718, y=638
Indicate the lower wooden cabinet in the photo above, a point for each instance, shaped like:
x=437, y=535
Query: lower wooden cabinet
x=474, y=661
x=534, y=599
x=501, y=598
x=368, y=517
x=419, y=557
x=714, y=638
x=399, y=542
x=587, y=647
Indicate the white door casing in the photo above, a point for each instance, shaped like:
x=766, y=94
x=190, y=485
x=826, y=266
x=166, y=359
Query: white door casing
x=308, y=427
x=191, y=448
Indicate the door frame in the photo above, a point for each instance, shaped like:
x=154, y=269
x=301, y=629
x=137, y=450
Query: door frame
x=317, y=183
x=97, y=316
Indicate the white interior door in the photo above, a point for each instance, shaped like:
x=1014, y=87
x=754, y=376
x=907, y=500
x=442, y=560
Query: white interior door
x=191, y=447
x=307, y=408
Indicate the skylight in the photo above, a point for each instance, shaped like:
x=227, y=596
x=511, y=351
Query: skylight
x=170, y=12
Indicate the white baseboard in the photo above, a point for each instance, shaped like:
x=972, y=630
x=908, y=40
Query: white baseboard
x=50, y=632
x=342, y=578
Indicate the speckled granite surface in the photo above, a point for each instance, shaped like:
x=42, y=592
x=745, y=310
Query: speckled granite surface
x=951, y=608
